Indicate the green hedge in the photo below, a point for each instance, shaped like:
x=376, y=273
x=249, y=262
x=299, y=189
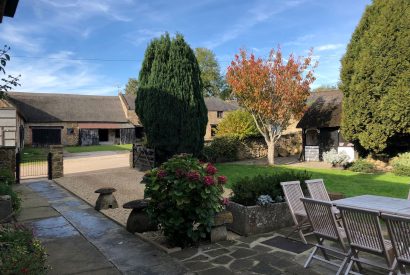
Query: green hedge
x=15, y=200
x=222, y=149
x=6, y=177
x=247, y=190
x=401, y=164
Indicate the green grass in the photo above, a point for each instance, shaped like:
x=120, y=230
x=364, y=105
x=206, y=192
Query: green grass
x=98, y=148
x=31, y=153
x=346, y=182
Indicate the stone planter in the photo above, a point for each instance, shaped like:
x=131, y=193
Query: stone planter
x=250, y=220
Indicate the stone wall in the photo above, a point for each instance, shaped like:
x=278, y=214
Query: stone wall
x=8, y=159
x=57, y=162
x=290, y=144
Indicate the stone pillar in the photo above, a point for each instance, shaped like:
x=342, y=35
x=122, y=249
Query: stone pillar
x=57, y=163
x=8, y=159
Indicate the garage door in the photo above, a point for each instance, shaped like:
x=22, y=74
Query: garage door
x=46, y=136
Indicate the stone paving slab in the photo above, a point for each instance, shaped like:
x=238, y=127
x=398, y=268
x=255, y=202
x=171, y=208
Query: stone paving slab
x=35, y=213
x=75, y=249
x=85, y=231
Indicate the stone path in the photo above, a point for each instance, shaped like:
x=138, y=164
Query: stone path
x=80, y=240
x=248, y=255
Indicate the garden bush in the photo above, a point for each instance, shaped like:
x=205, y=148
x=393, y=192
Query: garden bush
x=6, y=177
x=239, y=123
x=401, y=164
x=185, y=194
x=20, y=253
x=335, y=158
x=362, y=166
x=15, y=200
x=222, y=149
x=247, y=190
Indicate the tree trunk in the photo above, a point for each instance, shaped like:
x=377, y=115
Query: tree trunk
x=271, y=153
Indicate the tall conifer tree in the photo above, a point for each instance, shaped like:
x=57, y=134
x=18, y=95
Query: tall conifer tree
x=169, y=100
x=375, y=79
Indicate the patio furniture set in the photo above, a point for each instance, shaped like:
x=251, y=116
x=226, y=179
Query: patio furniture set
x=353, y=225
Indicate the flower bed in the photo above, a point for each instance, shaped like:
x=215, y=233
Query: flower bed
x=20, y=253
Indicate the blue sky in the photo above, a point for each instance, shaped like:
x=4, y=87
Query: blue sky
x=94, y=46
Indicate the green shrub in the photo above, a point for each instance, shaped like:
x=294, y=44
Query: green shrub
x=6, y=177
x=239, y=123
x=7, y=190
x=185, y=195
x=362, y=166
x=222, y=149
x=401, y=164
x=247, y=190
x=20, y=253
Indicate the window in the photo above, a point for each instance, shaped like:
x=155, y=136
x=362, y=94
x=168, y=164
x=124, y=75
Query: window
x=70, y=131
x=213, y=129
x=117, y=133
x=219, y=114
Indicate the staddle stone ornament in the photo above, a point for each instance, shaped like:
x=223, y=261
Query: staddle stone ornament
x=106, y=199
x=138, y=220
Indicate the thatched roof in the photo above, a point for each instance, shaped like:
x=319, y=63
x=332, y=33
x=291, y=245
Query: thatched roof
x=325, y=110
x=212, y=103
x=39, y=107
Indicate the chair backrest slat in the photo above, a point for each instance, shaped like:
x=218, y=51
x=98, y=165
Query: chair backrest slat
x=322, y=218
x=408, y=196
x=399, y=232
x=317, y=189
x=293, y=193
x=363, y=228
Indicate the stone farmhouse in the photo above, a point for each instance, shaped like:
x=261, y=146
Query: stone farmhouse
x=42, y=119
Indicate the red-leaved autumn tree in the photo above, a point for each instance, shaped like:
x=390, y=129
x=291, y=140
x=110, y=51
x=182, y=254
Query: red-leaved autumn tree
x=274, y=91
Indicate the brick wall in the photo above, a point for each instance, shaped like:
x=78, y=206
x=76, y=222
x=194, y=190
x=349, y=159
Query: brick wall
x=8, y=159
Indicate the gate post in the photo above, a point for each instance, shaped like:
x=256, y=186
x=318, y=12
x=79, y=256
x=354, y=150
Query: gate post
x=50, y=165
x=57, y=162
x=18, y=161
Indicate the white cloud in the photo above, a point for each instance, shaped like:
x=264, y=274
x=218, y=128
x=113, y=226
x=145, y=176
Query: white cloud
x=22, y=37
x=58, y=74
x=328, y=47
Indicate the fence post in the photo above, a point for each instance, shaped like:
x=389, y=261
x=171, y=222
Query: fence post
x=18, y=161
x=50, y=165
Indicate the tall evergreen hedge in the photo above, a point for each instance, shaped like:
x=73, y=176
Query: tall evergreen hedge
x=169, y=100
x=375, y=79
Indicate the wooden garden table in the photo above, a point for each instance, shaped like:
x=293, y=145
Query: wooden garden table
x=383, y=204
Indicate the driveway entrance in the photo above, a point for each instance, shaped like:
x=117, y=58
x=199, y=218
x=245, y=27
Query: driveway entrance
x=93, y=161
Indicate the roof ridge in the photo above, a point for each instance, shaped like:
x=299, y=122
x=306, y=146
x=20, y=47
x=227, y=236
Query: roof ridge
x=57, y=94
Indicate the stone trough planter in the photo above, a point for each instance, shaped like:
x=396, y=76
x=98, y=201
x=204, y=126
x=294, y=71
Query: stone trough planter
x=250, y=220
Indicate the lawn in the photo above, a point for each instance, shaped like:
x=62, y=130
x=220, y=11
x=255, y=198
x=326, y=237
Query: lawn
x=31, y=153
x=98, y=148
x=346, y=182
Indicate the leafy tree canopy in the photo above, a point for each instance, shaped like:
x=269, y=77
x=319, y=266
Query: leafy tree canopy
x=6, y=84
x=239, y=123
x=131, y=87
x=210, y=72
x=375, y=78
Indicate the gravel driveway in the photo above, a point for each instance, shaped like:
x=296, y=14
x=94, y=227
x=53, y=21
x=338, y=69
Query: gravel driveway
x=125, y=180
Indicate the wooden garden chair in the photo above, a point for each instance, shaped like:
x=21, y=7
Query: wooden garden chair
x=399, y=233
x=322, y=218
x=364, y=234
x=293, y=193
x=317, y=191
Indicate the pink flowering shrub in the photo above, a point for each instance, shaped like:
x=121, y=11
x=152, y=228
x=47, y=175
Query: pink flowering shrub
x=185, y=195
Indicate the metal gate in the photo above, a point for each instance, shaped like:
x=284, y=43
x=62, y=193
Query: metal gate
x=33, y=167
